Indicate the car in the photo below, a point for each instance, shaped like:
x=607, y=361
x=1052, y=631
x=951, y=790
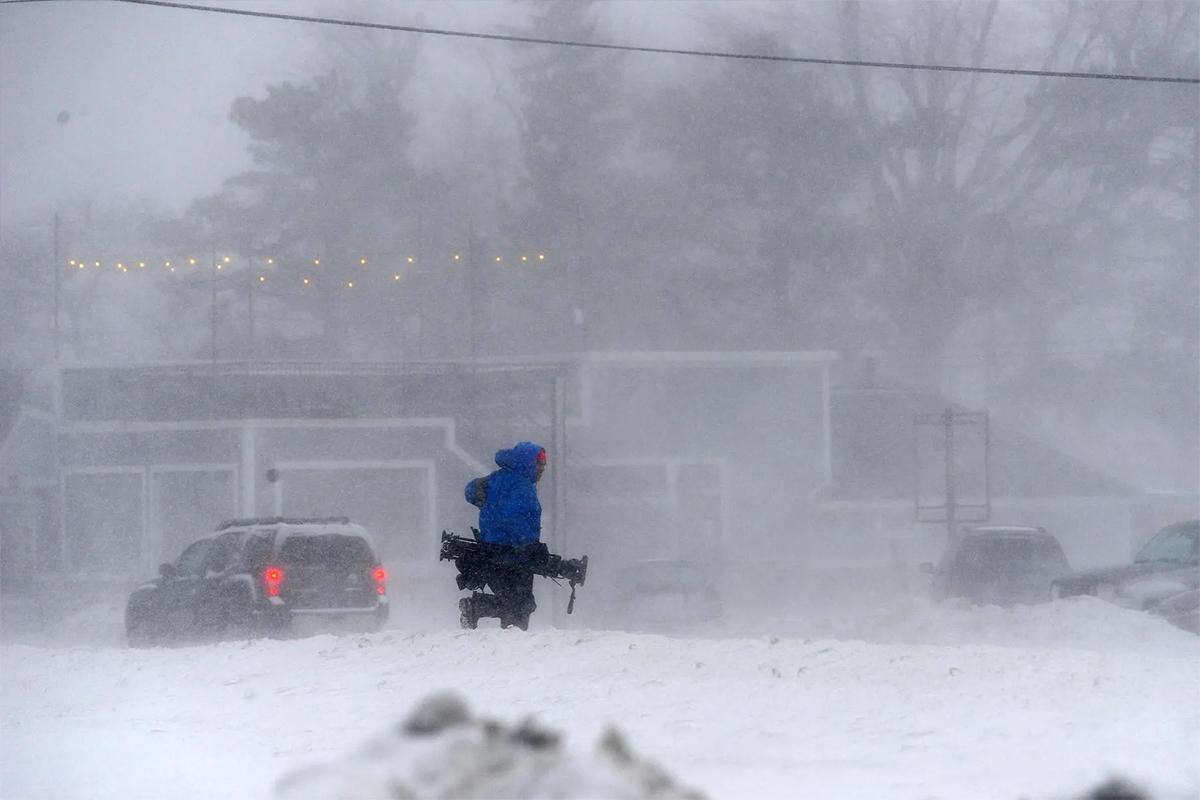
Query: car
x=262, y=576
x=999, y=565
x=666, y=595
x=1166, y=566
x=1181, y=610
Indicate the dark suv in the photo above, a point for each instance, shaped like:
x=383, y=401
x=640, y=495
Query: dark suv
x=999, y=565
x=259, y=576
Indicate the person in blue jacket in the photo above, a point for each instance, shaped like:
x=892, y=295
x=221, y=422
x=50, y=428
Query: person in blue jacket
x=510, y=517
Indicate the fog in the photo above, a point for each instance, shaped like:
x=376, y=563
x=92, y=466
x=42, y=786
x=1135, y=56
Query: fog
x=774, y=322
x=190, y=188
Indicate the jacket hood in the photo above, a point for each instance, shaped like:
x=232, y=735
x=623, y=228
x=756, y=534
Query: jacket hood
x=520, y=458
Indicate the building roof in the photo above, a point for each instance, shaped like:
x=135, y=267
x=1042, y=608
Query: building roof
x=874, y=455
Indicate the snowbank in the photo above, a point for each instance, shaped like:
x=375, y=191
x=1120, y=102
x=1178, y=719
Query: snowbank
x=920, y=702
x=442, y=751
x=1079, y=622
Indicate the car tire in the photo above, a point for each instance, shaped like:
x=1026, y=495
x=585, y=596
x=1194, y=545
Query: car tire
x=237, y=617
x=275, y=626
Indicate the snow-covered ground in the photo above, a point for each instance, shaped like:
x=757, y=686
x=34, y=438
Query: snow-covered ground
x=909, y=702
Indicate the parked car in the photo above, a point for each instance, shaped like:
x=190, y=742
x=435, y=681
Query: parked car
x=999, y=565
x=666, y=595
x=1182, y=610
x=259, y=577
x=1168, y=565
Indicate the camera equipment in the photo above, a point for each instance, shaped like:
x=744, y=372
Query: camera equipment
x=473, y=558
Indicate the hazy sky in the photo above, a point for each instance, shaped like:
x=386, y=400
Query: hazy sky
x=145, y=92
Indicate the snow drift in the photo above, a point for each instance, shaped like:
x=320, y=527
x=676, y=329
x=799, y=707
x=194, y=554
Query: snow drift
x=945, y=702
x=442, y=751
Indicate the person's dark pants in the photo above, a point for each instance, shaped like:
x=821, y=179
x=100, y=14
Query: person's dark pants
x=514, y=596
x=508, y=575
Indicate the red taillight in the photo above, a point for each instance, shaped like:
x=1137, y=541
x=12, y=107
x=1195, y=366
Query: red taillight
x=273, y=578
x=380, y=576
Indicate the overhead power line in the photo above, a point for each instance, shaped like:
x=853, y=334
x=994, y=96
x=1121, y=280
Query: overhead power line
x=659, y=50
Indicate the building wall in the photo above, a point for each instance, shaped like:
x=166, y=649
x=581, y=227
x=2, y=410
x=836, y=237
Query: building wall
x=695, y=456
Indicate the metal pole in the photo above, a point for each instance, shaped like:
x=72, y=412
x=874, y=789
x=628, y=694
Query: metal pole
x=473, y=257
x=57, y=280
x=987, y=466
x=250, y=314
x=474, y=260
x=559, y=448
x=212, y=280
x=951, y=501
x=59, y=410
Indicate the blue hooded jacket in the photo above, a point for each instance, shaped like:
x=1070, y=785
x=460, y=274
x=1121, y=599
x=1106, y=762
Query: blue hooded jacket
x=509, y=511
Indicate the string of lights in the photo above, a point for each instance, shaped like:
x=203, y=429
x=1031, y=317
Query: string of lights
x=191, y=264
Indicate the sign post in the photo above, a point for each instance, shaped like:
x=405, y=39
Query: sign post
x=951, y=450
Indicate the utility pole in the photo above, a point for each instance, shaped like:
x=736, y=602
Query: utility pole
x=576, y=273
x=59, y=409
x=474, y=261
x=212, y=282
x=473, y=257
x=57, y=293
x=558, y=447
x=214, y=401
x=951, y=501
x=250, y=314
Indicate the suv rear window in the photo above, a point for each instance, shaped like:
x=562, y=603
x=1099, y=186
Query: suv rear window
x=256, y=552
x=1005, y=554
x=327, y=549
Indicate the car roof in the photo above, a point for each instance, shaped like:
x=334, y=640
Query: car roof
x=296, y=526
x=248, y=522
x=1006, y=530
x=316, y=529
x=1186, y=525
